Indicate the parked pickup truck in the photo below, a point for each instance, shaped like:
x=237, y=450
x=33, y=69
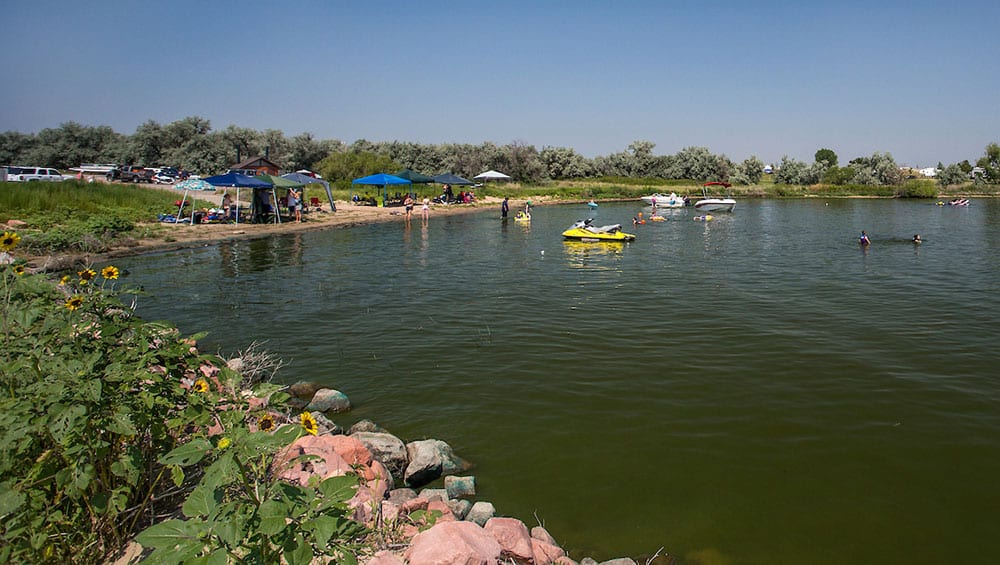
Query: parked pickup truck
x=28, y=174
x=131, y=174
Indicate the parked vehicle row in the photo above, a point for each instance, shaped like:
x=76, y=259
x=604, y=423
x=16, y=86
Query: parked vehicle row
x=29, y=174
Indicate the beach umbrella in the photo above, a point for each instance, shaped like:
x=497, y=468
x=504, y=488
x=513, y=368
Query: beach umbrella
x=194, y=184
x=491, y=175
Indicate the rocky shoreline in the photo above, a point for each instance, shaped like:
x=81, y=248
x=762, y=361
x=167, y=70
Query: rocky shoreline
x=426, y=525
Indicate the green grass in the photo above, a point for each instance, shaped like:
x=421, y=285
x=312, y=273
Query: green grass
x=77, y=216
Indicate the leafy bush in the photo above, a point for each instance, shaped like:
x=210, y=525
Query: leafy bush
x=99, y=410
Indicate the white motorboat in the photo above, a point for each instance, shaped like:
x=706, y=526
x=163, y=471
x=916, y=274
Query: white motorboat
x=95, y=168
x=707, y=204
x=664, y=200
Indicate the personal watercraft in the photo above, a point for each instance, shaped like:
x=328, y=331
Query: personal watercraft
x=584, y=231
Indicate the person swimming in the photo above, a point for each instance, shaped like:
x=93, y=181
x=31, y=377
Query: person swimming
x=864, y=240
x=916, y=238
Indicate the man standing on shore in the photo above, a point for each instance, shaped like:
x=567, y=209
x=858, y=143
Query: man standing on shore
x=504, y=208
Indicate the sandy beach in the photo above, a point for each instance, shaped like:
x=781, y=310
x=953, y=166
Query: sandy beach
x=179, y=236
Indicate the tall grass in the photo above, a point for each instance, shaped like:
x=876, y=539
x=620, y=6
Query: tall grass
x=77, y=216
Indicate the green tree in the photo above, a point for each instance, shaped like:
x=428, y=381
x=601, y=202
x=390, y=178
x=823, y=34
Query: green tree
x=564, y=163
x=827, y=156
x=749, y=171
x=952, y=175
x=342, y=168
x=990, y=162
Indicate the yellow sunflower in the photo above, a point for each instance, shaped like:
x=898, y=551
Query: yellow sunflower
x=200, y=385
x=74, y=303
x=86, y=275
x=309, y=423
x=265, y=423
x=224, y=443
x=110, y=272
x=9, y=240
x=18, y=269
x=64, y=280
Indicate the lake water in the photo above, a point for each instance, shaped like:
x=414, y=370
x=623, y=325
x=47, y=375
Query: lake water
x=754, y=389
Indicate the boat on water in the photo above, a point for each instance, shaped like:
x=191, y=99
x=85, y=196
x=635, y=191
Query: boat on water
x=664, y=200
x=708, y=204
x=95, y=168
x=584, y=230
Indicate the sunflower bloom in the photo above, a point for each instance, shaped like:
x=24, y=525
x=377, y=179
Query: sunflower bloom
x=265, y=423
x=19, y=270
x=74, y=303
x=200, y=386
x=110, y=272
x=64, y=280
x=9, y=240
x=86, y=275
x=224, y=443
x=309, y=423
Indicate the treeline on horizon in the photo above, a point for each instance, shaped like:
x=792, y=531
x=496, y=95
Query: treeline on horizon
x=191, y=144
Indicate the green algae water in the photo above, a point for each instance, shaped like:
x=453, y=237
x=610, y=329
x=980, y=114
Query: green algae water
x=753, y=389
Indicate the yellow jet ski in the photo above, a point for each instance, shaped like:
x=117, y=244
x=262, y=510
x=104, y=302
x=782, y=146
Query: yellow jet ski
x=584, y=231
x=522, y=217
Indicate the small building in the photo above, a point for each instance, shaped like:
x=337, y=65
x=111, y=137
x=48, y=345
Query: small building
x=930, y=172
x=768, y=169
x=255, y=166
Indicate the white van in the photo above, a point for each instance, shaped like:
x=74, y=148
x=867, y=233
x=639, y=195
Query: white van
x=28, y=174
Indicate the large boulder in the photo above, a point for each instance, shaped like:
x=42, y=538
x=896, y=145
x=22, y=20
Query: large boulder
x=481, y=512
x=453, y=543
x=430, y=459
x=366, y=426
x=329, y=400
x=329, y=464
x=513, y=537
x=425, y=463
x=545, y=553
x=460, y=487
x=387, y=448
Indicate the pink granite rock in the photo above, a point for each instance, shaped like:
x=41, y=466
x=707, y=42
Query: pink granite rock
x=545, y=553
x=565, y=560
x=441, y=506
x=453, y=543
x=541, y=534
x=352, y=450
x=513, y=537
x=330, y=463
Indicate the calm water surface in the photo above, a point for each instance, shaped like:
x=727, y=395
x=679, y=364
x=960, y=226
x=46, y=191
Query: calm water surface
x=754, y=389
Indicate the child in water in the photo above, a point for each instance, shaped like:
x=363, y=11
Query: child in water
x=863, y=240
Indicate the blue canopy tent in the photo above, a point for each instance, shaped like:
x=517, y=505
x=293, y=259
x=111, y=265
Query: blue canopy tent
x=306, y=179
x=238, y=181
x=383, y=180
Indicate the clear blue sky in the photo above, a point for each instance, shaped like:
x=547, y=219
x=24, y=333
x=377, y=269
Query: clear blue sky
x=919, y=79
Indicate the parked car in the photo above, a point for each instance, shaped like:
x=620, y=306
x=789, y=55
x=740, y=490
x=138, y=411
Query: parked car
x=132, y=173
x=163, y=178
x=29, y=174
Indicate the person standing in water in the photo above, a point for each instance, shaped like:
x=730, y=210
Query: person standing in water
x=426, y=208
x=863, y=240
x=504, y=208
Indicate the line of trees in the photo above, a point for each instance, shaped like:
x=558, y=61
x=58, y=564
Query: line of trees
x=192, y=145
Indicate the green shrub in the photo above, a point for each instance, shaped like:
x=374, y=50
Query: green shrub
x=100, y=410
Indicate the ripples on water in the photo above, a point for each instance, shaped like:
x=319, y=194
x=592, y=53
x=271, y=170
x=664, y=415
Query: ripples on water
x=756, y=386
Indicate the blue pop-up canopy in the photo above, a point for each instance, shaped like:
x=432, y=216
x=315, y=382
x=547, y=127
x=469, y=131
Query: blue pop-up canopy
x=383, y=180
